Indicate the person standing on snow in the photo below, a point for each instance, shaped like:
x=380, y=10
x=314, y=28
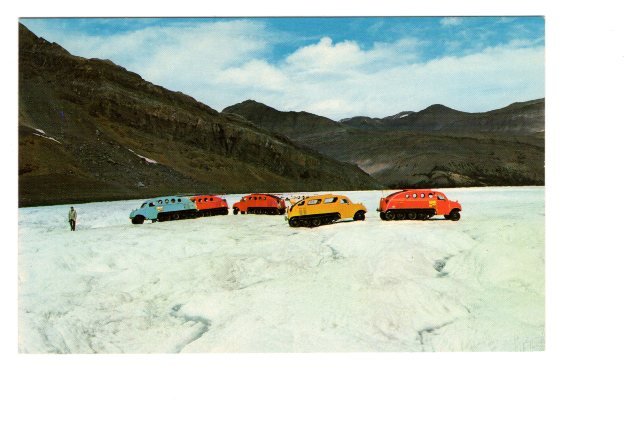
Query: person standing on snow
x=72, y=218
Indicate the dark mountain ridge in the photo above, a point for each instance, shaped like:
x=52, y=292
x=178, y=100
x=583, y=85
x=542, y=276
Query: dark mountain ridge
x=434, y=147
x=290, y=123
x=90, y=130
x=520, y=118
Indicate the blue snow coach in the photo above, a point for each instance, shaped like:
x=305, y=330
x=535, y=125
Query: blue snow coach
x=163, y=209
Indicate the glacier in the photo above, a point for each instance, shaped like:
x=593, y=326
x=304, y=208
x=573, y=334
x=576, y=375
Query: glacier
x=251, y=283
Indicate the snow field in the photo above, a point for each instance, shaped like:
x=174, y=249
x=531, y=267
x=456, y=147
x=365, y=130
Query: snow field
x=250, y=283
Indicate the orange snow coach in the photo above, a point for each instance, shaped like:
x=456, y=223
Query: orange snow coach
x=209, y=205
x=258, y=203
x=324, y=209
x=420, y=204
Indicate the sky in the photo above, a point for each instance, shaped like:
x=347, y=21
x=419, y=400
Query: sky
x=335, y=67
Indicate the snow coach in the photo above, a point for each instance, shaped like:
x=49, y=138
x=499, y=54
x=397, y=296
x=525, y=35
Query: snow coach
x=176, y=207
x=210, y=205
x=259, y=203
x=419, y=204
x=163, y=209
x=324, y=209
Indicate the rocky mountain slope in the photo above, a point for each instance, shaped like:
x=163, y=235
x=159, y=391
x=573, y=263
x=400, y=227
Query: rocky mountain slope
x=521, y=118
x=90, y=130
x=437, y=147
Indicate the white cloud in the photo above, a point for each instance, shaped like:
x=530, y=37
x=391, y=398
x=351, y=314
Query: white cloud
x=225, y=63
x=450, y=21
x=255, y=73
x=325, y=56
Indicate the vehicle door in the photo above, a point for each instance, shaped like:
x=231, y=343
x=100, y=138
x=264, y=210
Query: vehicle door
x=312, y=206
x=442, y=204
x=346, y=208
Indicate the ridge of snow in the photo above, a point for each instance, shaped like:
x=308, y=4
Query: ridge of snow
x=46, y=137
x=146, y=159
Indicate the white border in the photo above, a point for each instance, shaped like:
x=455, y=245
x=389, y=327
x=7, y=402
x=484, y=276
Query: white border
x=567, y=387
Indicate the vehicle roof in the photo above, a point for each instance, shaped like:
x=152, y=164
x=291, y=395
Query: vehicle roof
x=265, y=194
x=165, y=197
x=327, y=195
x=412, y=191
x=204, y=195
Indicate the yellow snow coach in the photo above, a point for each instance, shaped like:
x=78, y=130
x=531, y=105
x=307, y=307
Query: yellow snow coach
x=324, y=209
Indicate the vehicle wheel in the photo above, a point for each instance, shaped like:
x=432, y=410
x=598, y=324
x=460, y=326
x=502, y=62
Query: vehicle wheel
x=382, y=215
x=315, y=222
x=293, y=222
x=359, y=216
x=389, y=215
x=175, y=216
x=138, y=220
x=400, y=216
x=454, y=216
x=235, y=210
x=411, y=215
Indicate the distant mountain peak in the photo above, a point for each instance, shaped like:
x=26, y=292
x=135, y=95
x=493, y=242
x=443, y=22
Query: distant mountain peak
x=438, y=108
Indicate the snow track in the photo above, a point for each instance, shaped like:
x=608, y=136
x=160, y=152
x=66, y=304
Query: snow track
x=250, y=283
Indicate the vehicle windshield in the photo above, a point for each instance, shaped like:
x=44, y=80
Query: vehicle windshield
x=144, y=204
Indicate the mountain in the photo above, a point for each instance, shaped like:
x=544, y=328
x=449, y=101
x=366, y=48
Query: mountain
x=90, y=130
x=289, y=123
x=435, y=147
x=520, y=118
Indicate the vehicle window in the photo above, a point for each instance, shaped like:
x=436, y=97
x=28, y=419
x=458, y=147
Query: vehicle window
x=151, y=204
x=314, y=201
x=301, y=203
x=179, y=200
x=430, y=195
x=441, y=197
x=210, y=199
x=159, y=201
x=167, y=201
x=422, y=195
x=330, y=200
x=344, y=201
x=143, y=205
x=415, y=195
x=406, y=195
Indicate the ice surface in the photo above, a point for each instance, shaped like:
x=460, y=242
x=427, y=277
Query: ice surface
x=250, y=283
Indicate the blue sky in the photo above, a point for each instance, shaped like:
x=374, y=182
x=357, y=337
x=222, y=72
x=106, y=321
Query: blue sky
x=336, y=67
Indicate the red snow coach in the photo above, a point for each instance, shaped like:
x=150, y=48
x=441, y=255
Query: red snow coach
x=210, y=205
x=258, y=203
x=421, y=204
